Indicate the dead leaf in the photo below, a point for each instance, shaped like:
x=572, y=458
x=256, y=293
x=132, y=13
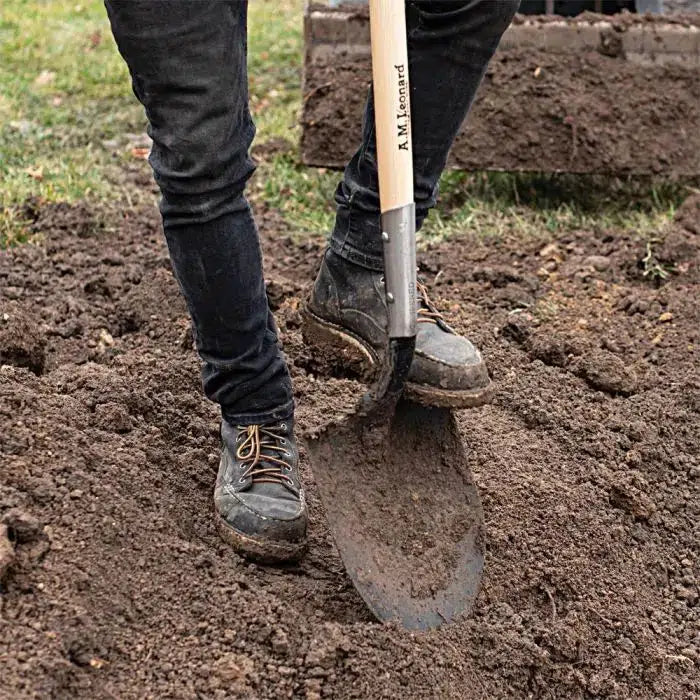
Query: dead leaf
x=139, y=152
x=36, y=173
x=46, y=77
x=95, y=39
x=551, y=250
x=105, y=338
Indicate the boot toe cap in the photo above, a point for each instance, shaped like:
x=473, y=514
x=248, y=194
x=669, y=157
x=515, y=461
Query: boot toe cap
x=262, y=528
x=263, y=516
x=448, y=362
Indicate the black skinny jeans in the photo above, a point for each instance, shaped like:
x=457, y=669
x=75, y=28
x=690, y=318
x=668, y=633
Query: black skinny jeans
x=187, y=60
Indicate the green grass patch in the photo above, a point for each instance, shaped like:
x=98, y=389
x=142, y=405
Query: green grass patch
x=303, y=195
x=70, y=128
x=543, y=206
x=65, y=91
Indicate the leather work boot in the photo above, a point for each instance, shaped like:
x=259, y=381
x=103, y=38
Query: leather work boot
x=347, y=313
x=259, y=501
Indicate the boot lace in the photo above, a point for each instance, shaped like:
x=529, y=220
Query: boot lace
x=428, y=313
x=260, y=466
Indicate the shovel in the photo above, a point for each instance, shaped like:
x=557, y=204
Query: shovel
x=393, y=477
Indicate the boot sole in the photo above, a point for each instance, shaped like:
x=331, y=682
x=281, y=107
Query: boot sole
x=356, y=353
x=258, y=550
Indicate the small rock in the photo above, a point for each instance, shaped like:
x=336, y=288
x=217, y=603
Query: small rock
x=24, y=525
x=691, y=653
x=105, y=339
x=551, y=250
x=626, y=644
x=665, y=317
x=280, y=642
x=597, y=262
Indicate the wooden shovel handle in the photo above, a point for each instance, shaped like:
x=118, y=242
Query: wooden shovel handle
x=392, y=102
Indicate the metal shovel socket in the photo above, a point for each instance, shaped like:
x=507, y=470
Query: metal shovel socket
x=399, y=237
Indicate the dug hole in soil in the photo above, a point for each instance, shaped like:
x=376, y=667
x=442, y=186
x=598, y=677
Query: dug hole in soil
x=115, y=583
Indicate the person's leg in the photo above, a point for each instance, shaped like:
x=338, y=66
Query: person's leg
x=450, y=43
x=188, y=66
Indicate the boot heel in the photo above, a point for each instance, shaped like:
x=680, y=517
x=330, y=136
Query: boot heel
x=336, y=350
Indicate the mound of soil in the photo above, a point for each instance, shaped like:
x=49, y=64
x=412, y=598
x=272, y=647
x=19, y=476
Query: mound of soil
x=115, y=583
x=536, y=110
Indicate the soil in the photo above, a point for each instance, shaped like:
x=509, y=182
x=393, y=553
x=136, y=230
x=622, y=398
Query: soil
x=536, y=110
x=115, y=583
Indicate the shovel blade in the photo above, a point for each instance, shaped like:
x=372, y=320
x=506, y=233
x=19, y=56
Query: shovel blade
x=404, y=512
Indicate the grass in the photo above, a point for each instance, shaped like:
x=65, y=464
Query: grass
x=65, y=91
x=70, y=129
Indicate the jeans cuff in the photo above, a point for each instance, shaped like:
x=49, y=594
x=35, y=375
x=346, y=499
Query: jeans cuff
x=284, y=412
x=348, y=252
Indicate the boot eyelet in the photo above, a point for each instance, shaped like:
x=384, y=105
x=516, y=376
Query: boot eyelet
x=283, y=441
x=287, y=468
x=287, y=453
x=241, y=480
x=283, y=426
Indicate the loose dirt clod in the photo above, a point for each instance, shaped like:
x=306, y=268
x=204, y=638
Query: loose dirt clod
x=7, y=552
x=24, y=526
x=607, y=372
x=22, y=342
x=590, y=498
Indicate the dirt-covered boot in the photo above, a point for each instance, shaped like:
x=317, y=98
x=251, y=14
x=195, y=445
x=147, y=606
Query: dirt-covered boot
x=259, y=500
x=347, y=313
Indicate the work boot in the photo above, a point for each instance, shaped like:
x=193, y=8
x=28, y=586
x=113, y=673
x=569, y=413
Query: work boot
x=260, y=504
x=347, y=313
